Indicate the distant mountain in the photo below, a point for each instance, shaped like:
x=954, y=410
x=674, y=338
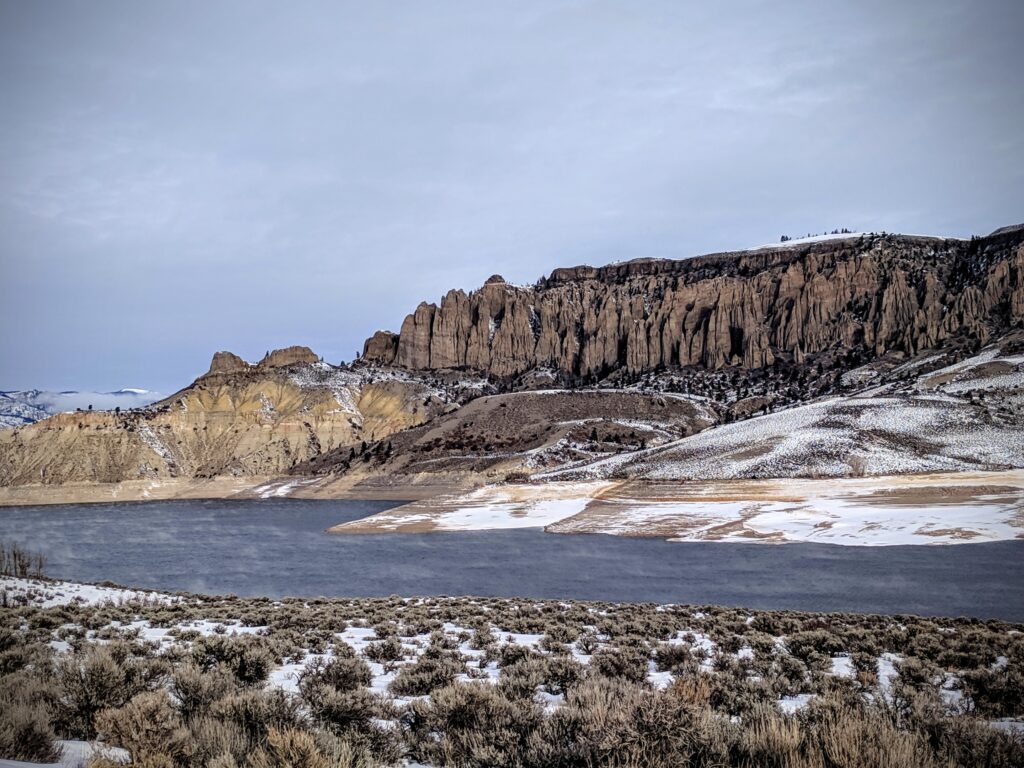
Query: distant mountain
x=21, y=407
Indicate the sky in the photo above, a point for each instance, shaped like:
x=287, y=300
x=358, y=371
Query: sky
x=180, y=178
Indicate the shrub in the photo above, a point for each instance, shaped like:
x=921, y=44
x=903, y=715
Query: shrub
x=147, y=726
x=351, y=752
x=674, y=657
x=342, y=711
x=217, y=740
x=245, y=656
x=26, y=687
x=512, y=653
x=804, y=645
x=256, y=712
x=101, y=677
x=472, y=725
x=626, y=663
x=855, y=737
x=429, y=672
x=587, y=642
x=337, y=674
x=22, y=563
x=388, y=649
x=26, y=733
x=196, y=689
x=288, y=748
x=768, y=739
x=968, y=741
x=563, y=672
x=613, y=722
x=521, y=680
x=482, y=638
x=996, y=692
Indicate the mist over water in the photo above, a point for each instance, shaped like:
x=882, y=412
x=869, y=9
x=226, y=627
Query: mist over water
x=279, y=548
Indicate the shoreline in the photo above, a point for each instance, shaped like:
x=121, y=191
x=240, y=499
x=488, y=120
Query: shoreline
x=927, y=509
x=249, y=488
x=932, y=509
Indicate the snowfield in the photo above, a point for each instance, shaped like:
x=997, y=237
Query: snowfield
x=44, y=593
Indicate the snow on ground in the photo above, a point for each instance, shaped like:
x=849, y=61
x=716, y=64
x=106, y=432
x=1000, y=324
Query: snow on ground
x=511, y=514
x=1008, y=724
x=985, y=356
x=811, y=239
x=155, y=444
x=876, y=511
x=840, y=236
x=346, y=384
x=887, y=672
x=492, y=507
x=44, y=593
x=934, y=423
x=286, y=676
x=281, y=488
x=833, y=437
x=842, y=666
x=920, y=509
x=792, y=704
x=75, y=754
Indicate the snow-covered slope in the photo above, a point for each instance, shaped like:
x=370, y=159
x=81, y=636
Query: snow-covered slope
x=965, y=416
x=22, y=407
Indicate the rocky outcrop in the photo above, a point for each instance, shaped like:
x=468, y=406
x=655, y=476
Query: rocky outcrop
x=383, y=345
x=229, y=362
x=867, y=295
x=226, y=362
x=281, y=358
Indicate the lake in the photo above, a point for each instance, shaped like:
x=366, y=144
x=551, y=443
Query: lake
x=279, y=548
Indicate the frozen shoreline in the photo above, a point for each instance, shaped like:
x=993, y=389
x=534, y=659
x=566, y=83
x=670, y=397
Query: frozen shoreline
x=940, y=508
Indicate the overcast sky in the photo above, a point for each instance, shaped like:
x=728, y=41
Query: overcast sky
x=178, y=178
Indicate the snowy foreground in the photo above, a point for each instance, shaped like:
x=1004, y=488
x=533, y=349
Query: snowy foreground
x=412, y=648
x=941, y=508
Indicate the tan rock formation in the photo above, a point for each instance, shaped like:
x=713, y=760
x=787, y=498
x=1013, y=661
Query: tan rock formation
x=281, y=358
x=238, y=420
x=226, y=362
x=871, y=294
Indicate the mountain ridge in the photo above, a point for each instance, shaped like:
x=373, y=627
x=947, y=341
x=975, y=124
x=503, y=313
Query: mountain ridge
x=866, y=293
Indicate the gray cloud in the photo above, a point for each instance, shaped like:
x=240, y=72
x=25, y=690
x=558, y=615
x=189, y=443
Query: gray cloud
x=179, y=178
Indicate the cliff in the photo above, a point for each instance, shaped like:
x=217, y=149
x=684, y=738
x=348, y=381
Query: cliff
x=863, y=296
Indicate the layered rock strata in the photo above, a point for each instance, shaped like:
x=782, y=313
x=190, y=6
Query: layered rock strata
x=869, y=294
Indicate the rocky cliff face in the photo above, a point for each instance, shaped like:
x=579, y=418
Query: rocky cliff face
x=868, y=295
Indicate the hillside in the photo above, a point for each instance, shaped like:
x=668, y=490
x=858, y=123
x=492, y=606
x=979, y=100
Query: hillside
x=844, y=356
x=236, y=420
x=921, y=416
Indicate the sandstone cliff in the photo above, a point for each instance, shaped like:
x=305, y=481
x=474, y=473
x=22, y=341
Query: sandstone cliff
x=863, y=296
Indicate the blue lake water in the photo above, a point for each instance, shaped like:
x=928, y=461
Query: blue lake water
x=279, y=548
